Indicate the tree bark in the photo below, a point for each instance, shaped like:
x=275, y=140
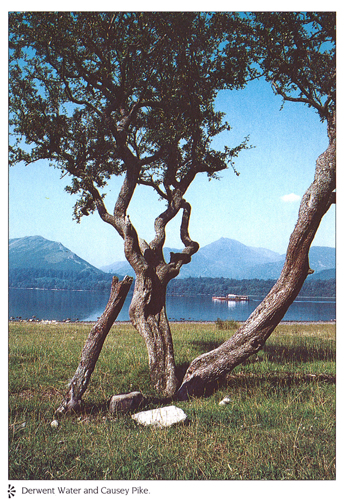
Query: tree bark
x=252, y=335
x=94, y=344
x=148, y=306
x=148, y=315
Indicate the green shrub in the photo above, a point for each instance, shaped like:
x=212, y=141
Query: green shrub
x=228, y=324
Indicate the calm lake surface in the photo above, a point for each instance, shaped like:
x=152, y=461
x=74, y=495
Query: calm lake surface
x=88, y=306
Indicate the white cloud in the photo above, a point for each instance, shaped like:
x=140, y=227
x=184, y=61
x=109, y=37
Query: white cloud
x=290, y=198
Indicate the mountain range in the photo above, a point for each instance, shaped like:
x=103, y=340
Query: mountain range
x=225, y=258
x=229, y=258
x=35, y=262
x=36, y=252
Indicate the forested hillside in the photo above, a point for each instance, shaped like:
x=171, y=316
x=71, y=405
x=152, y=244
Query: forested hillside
x=223, y=286
x=51, y=279
x=35, y=262
x=70, y=280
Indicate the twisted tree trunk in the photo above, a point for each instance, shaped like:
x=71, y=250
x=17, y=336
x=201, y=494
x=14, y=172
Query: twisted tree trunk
x=252, y=335
x=147, y=310
x=94, y=344
x=148, y=315
x=148, y=306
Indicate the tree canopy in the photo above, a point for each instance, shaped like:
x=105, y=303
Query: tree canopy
x=100, y=93
x=133, y=94
x=296, y=52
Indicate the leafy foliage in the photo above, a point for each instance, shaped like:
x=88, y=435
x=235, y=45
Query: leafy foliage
x=296, y=53
x=97, y=93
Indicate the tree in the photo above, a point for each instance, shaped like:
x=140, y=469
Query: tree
x=296, y=53
x=132, y=95
x=94, y=344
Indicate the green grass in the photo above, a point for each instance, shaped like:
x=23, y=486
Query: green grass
x=280, y=424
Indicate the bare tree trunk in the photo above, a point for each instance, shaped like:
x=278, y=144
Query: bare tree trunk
x=148, y=310
x=252, y=335
x=148, y=315
x=94, y=344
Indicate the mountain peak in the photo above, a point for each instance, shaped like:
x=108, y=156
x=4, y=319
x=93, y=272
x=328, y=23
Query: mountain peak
x=36, y=252
x=225, y=258
x=230, y=258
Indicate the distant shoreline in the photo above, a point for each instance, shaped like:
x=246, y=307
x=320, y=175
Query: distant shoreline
x=57, y=322
x=168, y=294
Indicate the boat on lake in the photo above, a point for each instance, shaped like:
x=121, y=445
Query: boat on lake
x=233, y=297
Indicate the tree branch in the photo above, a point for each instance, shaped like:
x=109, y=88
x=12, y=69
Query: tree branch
x=162, y=220
x=94, y=344
x=61, y=72
x=191, y=247
x=78, y=101
x=127, y=190
x=155, y=186
x=132, y=248
x=102, y=211
x=305, y=100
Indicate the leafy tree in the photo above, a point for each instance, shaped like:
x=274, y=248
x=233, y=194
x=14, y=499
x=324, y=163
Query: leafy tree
x=132, y=95
x=296, y=53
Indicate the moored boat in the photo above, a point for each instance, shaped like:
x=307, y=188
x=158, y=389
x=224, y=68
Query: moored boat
x=232, y=296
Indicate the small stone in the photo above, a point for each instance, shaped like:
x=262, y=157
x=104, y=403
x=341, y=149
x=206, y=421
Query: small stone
x=161, y=417
x=122, y=403
x=225, y=401
x=54, y=424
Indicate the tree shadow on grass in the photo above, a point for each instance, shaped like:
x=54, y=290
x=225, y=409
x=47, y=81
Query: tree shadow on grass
x=231, y=382
x=204, y=346
x=281, y=380
x=276, y=353
x=276, y=381
x=302, y=354
x=270, y=353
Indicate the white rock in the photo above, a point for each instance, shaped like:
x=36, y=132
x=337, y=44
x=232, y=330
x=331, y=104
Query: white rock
x=225, y=401
x=161, y=417
x=54, y=423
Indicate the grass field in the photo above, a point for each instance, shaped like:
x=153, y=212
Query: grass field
x=280, y=424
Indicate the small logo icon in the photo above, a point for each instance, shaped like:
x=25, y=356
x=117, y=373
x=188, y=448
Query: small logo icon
x=11, y=491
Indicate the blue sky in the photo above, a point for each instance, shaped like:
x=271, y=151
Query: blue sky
x=258, y=208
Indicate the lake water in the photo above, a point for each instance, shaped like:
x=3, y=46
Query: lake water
x=88, y=306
